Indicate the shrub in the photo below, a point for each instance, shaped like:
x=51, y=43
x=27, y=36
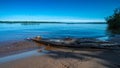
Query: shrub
x=113, y=21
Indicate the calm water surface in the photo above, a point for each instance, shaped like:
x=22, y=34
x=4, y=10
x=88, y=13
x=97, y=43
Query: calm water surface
x=20, y=31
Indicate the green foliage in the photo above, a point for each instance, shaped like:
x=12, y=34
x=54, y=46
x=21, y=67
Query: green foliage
x=113, y=21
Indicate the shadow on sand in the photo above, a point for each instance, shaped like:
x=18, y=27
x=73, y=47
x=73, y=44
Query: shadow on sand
x=109, y=58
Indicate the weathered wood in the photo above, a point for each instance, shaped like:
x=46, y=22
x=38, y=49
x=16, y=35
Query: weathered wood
x=79, y=43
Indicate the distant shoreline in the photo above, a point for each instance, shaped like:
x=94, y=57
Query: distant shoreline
x=52, y=22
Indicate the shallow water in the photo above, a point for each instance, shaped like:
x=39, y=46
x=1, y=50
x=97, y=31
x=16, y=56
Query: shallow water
x=22, y=55
x=18, y=31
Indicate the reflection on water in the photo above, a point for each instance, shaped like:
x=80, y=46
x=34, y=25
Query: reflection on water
x=17, y=31
x=22, y=55
x=30, y=23
x=103, y=38
x=112, y=32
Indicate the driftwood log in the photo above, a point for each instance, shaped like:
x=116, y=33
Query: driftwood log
x=77, y=43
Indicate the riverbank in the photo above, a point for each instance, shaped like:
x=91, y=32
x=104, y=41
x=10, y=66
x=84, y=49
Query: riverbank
x=15, y=47
x=57, y=57
x=68, y=58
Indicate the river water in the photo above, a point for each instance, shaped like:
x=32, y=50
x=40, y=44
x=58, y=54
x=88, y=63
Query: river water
x=18, y=31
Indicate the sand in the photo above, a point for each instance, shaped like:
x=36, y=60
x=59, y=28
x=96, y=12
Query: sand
x=14, y=47
x=69, y=58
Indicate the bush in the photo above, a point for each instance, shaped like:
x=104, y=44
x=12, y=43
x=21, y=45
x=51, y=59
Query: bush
x=113, y=21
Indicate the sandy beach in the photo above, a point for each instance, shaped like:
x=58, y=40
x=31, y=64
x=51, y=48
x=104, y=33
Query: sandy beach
x=64, y=58
x=59, y=33
x=15, y=47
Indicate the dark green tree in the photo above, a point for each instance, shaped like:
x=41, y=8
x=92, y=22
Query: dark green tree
x=113, y=22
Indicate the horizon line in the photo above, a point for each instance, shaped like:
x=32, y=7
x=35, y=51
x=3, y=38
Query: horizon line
x=55, y=20
x=46, y=21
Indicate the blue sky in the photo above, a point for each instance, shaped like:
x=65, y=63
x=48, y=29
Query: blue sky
x=57, y=10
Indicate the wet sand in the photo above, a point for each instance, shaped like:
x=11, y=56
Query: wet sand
x=15, y=47
x=59, y=57
x=69, y=58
